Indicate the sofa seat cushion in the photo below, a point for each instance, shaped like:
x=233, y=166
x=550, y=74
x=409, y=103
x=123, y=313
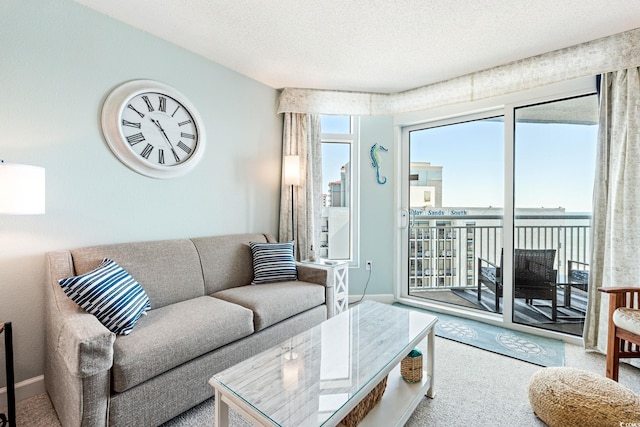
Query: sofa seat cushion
x=174, y=334
x=274, y=302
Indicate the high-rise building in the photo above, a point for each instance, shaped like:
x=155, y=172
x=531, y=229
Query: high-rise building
x=425, y=185
x=335, y=233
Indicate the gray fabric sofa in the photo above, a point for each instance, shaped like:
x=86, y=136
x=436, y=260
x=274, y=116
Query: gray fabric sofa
x=205, y=316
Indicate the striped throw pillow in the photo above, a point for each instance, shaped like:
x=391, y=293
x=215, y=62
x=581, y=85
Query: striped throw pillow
x=109, y=293
x=273, y=262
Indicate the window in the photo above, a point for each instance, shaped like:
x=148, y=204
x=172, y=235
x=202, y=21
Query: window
x=455, y=175
x=338, y=233
x=497, y=202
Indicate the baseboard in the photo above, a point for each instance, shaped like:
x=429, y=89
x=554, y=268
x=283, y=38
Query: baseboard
x=24, y=390
x=383, y=298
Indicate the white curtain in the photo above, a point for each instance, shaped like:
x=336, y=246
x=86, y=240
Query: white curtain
x=615, y=255
x=301, y=137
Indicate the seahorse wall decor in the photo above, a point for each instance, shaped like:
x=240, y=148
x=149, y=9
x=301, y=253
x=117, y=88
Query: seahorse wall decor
x=375, y=161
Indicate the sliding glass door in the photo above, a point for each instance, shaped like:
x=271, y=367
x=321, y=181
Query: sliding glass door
x=496, y=211
x=455, y=207
x=554, y=164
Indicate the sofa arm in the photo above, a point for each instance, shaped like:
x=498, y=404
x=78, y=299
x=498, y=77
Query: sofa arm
x=86, y=347
x=312, y=274
x=321, y=276
x=78, y=337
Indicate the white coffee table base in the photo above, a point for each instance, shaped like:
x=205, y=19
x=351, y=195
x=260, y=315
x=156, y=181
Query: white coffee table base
x=398, y=402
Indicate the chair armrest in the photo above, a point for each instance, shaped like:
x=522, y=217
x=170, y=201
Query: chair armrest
x=580, y=265
x=578, y=273
x=486, y=261
x=492, y=264
x=78, y=337
x=620, y=296
x=618, y=290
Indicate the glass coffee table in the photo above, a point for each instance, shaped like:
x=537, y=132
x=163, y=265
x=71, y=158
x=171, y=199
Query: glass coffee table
x=318, y=376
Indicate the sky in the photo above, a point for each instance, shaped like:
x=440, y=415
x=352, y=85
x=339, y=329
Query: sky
x=334, y=156
x=553, y=167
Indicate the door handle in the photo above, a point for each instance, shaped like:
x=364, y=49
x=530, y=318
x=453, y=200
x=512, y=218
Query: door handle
x=404, y=218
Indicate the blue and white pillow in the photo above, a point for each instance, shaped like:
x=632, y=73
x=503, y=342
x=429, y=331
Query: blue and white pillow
x=273, y=262
x=109, y=293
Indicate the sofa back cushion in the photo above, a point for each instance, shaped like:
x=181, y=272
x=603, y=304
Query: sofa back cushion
x=168, y=270
x=226, y=260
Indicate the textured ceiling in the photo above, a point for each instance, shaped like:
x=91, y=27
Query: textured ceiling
x=381, y=46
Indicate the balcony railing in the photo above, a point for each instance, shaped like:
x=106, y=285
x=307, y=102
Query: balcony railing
x=444, y=251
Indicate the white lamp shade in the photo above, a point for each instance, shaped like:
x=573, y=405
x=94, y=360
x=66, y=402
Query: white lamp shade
x=291, y=170
x=21, y=189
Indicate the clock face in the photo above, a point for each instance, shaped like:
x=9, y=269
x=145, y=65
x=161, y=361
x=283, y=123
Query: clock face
x=152, y=129
x=159, y=129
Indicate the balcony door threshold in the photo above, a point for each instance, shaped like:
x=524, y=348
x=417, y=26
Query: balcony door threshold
x=485, y=317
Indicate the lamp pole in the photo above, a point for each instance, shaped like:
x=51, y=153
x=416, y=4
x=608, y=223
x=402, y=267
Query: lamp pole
x=293, y=229
x=11, y=388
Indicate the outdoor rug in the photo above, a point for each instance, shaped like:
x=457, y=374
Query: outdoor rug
x=530, y=348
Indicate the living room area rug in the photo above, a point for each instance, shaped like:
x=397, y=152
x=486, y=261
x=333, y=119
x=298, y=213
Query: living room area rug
x=529, y=348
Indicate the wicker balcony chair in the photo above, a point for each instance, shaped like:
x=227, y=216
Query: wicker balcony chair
x=578, y=274
x=534, y=277
x=623, y=338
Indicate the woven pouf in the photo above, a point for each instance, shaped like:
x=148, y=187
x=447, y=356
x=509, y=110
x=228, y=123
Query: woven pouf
x=567, y=397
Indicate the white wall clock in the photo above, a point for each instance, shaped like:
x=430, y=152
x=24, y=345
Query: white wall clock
x=153, y=129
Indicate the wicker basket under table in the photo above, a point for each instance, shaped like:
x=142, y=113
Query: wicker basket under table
x=361, y=410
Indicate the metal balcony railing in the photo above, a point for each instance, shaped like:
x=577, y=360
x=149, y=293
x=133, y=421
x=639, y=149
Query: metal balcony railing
x=444, y=251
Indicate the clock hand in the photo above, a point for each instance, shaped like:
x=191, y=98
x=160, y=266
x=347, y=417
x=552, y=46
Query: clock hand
x=175, y=155
x=157, y=123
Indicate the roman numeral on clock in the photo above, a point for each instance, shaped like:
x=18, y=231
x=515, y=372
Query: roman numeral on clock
x=187, y=135
x=161, y=156
x=147, y=151
x=186, y=122
x=163, y=104
x=146, y=101
x=132, y=108
x=135, y=138
x=130, y=124
x=184, y=147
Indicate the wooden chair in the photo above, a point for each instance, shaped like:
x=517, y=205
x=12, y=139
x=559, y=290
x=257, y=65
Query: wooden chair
x=623, y=338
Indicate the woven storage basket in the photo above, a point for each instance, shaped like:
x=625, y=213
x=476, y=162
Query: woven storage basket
x=361, y=410
x=411, y=367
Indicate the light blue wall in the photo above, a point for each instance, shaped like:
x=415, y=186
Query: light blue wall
x=376, y=210
x=58, y=61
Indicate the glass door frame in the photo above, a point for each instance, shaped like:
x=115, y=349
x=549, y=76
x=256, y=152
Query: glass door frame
x=505, y=106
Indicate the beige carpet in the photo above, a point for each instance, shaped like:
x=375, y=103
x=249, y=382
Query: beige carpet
x=473, y=388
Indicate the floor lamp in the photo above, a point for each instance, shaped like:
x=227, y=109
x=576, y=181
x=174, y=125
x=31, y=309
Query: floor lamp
x=292, y=177
x=21, y=193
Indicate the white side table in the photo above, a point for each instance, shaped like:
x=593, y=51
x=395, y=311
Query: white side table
x=339, y=271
